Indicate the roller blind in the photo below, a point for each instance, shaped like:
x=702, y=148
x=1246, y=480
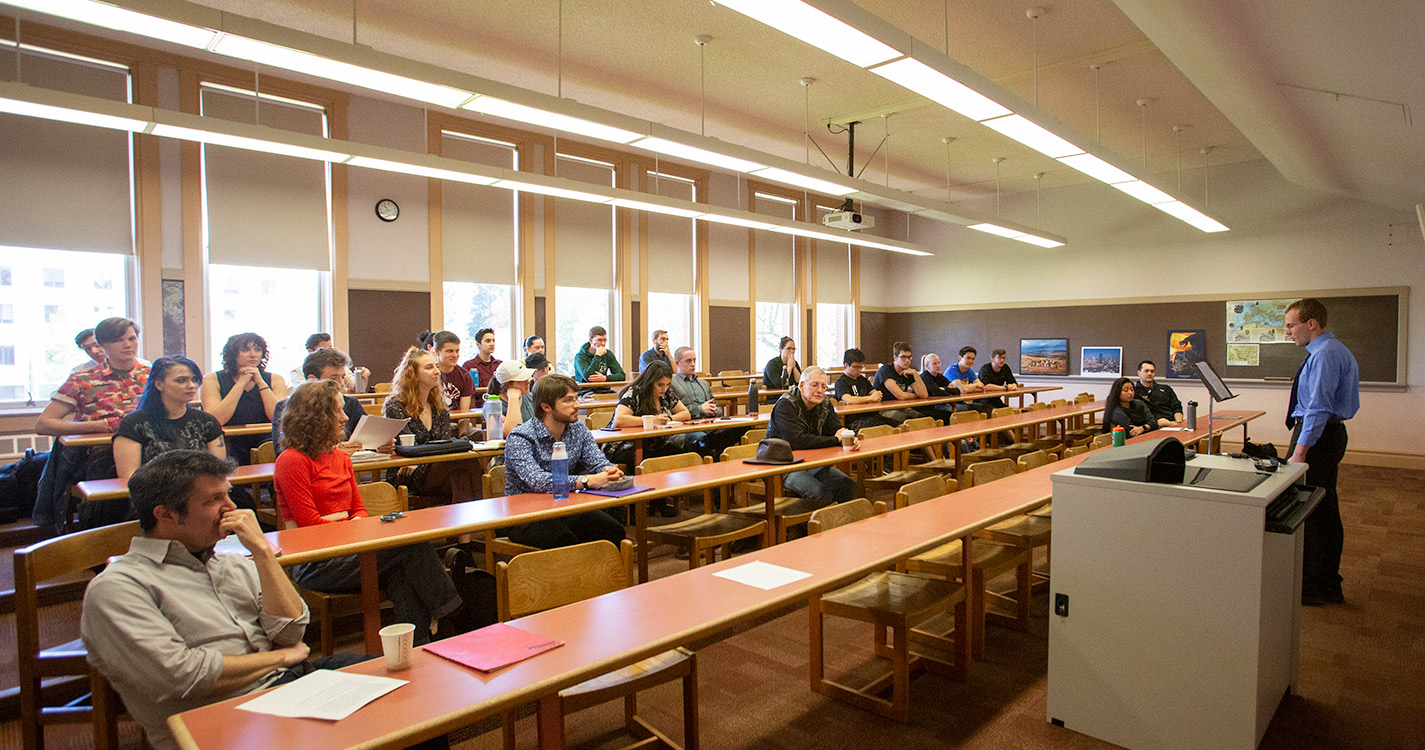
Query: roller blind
x=265, y=209
x=478, y=226
x=671, y=241
x=775, y=279
x=584, y=232
x=47, y=165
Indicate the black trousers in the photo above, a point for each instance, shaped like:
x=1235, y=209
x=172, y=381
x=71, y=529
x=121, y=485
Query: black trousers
x=567, y=531
x=1325, y=536
x=413, y=576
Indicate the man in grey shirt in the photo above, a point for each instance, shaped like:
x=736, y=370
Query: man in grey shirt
x=173, y=626
x=696, y=394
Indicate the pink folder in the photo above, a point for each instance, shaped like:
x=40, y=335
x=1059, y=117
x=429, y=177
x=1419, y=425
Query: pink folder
x=493, y=647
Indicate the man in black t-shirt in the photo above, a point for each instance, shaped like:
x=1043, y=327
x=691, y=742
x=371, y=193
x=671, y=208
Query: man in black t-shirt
x=852, y=388
x=997, y=372
x=1161, y=398
x=898, y=380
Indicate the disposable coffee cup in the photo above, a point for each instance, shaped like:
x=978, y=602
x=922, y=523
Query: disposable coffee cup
x=650, y=421
x=848, y=439
x=396, y=643
x=407, y=439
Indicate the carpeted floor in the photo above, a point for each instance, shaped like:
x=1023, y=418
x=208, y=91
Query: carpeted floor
x=1362, y=670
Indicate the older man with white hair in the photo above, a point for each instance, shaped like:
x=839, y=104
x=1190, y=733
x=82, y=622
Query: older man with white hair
x=806, y=418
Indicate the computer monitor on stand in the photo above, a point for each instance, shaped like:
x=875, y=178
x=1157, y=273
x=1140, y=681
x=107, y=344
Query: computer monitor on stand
x=1216, y=391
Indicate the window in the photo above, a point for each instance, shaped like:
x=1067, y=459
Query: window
x=12, y=392
x=45, y=317
x=774, y=320
x=7, y=355
x=674, y=314
x=285, y=326
x=4, y=276
x=53, y=277
x=578, y=309
x=470, y=307
x=834, y=333
x=103, y=282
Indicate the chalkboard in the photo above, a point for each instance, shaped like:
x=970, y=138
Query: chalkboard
x=1369, y=325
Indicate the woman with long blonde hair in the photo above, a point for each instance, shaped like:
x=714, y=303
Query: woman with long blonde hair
x=416, y=395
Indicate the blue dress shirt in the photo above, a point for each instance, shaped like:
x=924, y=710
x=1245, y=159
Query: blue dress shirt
x=1328, y=388
x=528, y=450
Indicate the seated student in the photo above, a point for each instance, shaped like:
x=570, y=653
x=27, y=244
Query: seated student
x=512, y=385
x=650, y=395
x=483, y=365
x=936, y=384
x=898, y=380
x=782, y=371
x=416, y=396
x=853, y=388
x=318, y=341
x=328, y=364
x=997, y=372
x=657, y=352
x=316, y=485
x=695, y=394
x=533, y=345
x=806, y=419
x=1126, y=411
x=1160, y=397
x=962, y=376
x=456, y=385
x=596, y=363
x=527, y=467
x=243, y=392
x=164, y=421
x=85, y=340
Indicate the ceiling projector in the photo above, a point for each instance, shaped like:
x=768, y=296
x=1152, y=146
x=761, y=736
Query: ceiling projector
x=848, y=220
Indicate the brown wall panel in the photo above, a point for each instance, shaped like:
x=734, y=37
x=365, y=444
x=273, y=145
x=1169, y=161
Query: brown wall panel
x=539, y=328
x=383, y=325
x=727, y=327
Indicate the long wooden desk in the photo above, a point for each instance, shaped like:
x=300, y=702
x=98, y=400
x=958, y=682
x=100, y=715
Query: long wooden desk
x=618, y=629
x=105, y=438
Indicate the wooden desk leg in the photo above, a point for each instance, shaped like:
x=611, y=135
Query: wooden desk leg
x=640, y=522
x=773, y=487
x=371, y=602
x=550, y=715
x=637, y=453
x=965, y=645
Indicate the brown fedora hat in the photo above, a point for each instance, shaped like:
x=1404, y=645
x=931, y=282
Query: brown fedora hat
x=774, y=451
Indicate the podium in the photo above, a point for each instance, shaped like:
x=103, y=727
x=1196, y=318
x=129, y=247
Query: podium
x=1174, y=614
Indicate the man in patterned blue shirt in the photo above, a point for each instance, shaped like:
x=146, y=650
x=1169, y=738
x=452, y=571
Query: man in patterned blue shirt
x=528, y=452
x=1324, y=394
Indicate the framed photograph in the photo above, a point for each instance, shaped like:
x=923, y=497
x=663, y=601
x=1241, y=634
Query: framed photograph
x=1044, y=356
x=1185, y=348
x=1101, y=360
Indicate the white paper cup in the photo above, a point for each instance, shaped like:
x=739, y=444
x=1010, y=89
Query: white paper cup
x=396, y=643
x=848, y=439
x=406, y=439
x=649, y=422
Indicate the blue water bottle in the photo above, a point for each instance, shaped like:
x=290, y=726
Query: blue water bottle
x=559, y=469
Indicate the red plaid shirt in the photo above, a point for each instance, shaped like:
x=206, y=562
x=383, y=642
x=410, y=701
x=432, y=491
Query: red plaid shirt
x=100, y=393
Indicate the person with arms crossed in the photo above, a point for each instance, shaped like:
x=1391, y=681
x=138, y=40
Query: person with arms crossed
x=596, y=363
x=528, y=462
x=932, y=373
x=659, y=351
x=852, y=389
x=962, y=377
x=805, y=418
x=898, y=380
x=1325, y=393
x=1159, y=397
x=329, y=364
x=997, y=372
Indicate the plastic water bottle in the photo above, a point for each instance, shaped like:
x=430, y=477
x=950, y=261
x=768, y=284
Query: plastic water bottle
x=1119, y=436
x=559, y=471
x=1191, y=416
x=494, y=413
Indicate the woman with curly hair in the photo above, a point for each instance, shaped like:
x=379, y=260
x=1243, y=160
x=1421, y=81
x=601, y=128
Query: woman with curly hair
x=416, y=395
x=316, y=485
x=243, y=392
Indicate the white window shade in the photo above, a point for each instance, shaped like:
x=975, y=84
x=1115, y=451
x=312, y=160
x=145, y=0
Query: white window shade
x=264, y=209
x=47, y=165
x=833, y=273
x=478, y=228
x=776, y=281
x=584, y=232
x=671, y=241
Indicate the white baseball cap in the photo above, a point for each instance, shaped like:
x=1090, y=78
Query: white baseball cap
x=513, y=371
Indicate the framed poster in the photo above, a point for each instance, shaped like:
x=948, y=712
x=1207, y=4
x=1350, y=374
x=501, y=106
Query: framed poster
x=1101, y=360
x=1044, y=356
x=1185, y=348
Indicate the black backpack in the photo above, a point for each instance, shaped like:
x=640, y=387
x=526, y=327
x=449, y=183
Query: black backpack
x=476, y=587
x=20, y=486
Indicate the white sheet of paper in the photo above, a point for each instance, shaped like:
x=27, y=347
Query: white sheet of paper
x=373, y=431
x=323, y=694
x=765, y=576
x=1174, y=429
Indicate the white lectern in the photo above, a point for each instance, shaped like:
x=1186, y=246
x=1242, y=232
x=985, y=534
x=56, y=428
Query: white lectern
x=1182, y=611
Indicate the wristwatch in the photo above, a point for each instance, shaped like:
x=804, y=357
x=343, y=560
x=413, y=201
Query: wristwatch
x=581, y=482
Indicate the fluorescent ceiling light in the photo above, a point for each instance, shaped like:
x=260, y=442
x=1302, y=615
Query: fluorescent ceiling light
x=212, y=138
x=510, y=111
x=735, y=221
x=656, y=208
x=557, y=192
x=66, y=114
x=1191, y=215
x=803, y=181
x=1097, y=168
x=1144, y=192
x=892, y=248
x=1033, y=136
x=121, y=19
x=1039, y=241
x=1208, y=224
x=997, y=229
x=335, y=70
x=702, y=156
x=817, y=28
x=940, y=88
x=420, y=171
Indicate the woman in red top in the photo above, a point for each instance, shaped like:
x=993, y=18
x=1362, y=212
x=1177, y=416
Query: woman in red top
x=316, y=485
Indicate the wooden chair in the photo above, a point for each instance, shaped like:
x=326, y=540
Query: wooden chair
x=985, y=453
x=381, y=388
x=1026, y=531
x=788, y=511
x=546, y=579
x=753, y=437
x=766, y=408
x=1104, y=440
x=34, y=565
x=1032, y=461
x=264, y=454
x=597, y=418
x=1076, y=451
x=924, y=489
x=376, y=409
x=494, y=484
x=379, y=498
x=873, y=467
x=988, y=471
x=899, y=601
x=703, y=533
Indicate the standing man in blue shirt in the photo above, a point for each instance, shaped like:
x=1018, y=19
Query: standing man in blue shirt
x=1324, y=394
